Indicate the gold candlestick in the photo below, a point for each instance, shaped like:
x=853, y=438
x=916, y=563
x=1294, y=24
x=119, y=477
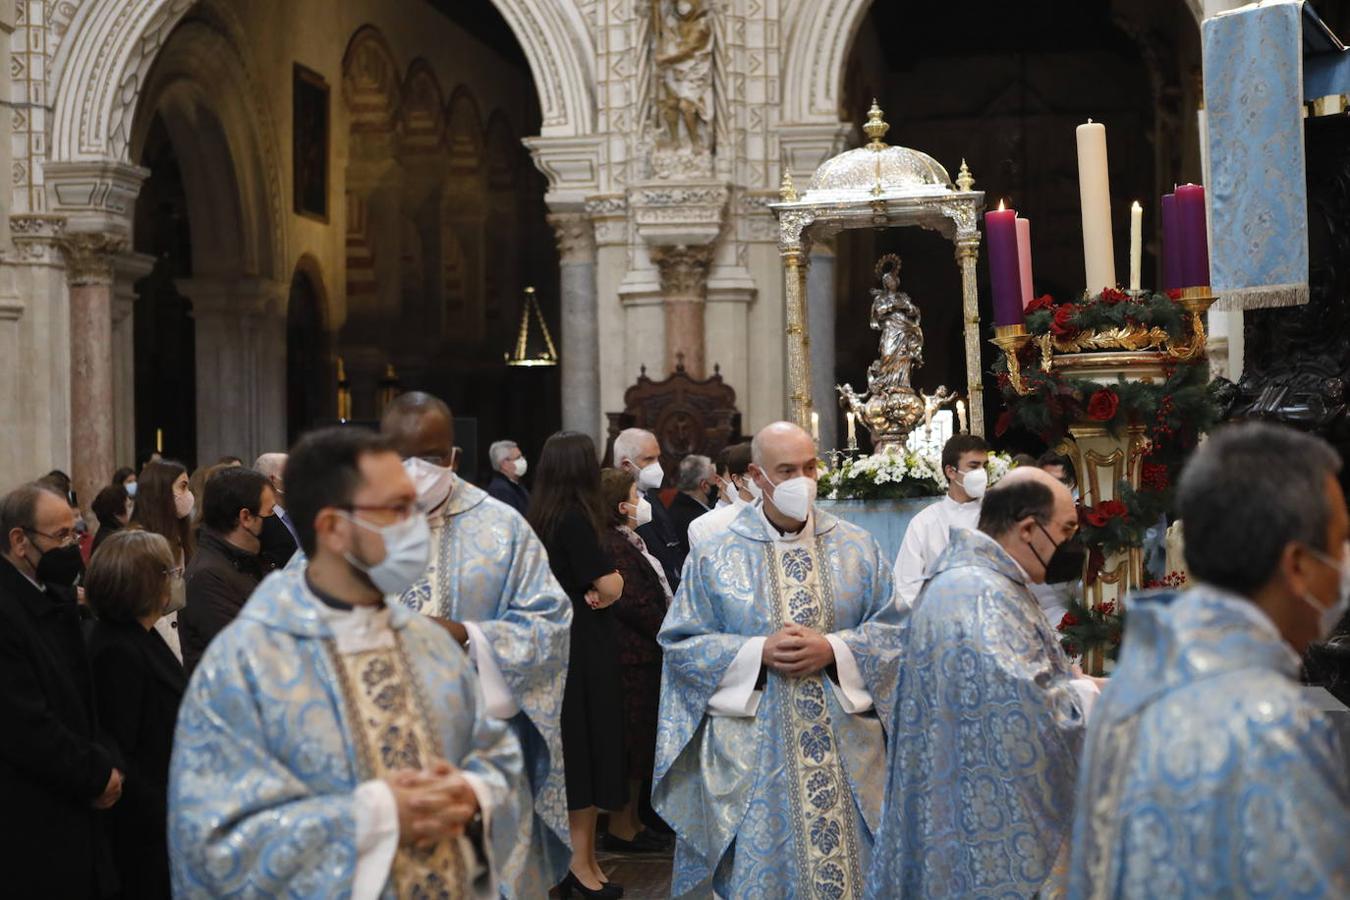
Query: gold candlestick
x=1011, y=339
x=1196, y=301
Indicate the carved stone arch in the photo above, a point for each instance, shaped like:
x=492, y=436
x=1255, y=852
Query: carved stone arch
x=371, y=85
x=819, y=39
x=106, y=49
x=423, y=112
x=464, y=132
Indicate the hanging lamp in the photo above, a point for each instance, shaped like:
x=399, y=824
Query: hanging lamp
x=528, y=352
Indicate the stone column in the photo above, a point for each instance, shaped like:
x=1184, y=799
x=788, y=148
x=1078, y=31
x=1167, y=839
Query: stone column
x=128, y=268
x=967, y=255
x=579, y=310
x=821, y=313
x=684, y=291
x=90, y=257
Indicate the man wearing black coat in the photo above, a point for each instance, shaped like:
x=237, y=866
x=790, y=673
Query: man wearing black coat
x=227, y=566
x=636, y=450
x=508, y=467
x=279, y=538
x=695, y=483
x=55, y=772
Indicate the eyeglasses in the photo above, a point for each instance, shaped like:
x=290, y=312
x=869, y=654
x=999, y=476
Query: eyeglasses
x=64, y=537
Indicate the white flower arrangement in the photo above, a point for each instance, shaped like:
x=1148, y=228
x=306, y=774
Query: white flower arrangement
x=896, y=475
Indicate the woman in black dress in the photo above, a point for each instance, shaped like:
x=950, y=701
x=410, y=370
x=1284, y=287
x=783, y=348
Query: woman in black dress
x=566, y=512
x=138, y=686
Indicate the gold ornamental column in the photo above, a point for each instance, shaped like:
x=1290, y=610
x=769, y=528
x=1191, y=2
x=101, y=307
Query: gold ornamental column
x=967, y=255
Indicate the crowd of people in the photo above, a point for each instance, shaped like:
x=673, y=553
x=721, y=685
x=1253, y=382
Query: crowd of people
x=346, y=670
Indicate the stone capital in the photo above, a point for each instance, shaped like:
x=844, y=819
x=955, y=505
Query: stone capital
x=91, y=256
x=684, y=271
x=37, y=238
x=679, y=215
x=94, y=195
x=576, y=237
x=573, y=166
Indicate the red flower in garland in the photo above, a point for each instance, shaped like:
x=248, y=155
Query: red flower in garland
x=1114, y=509
x=1108, y=608
x=1103, y=405
x=1067, y=622
x=1044, y=301
x=1174, y=293
x=1062, y=324
x=1112, y=296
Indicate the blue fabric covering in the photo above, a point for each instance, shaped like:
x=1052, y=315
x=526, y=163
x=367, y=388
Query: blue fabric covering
x=885, y=520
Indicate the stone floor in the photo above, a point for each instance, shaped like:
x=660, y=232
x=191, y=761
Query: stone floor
x=644, y=877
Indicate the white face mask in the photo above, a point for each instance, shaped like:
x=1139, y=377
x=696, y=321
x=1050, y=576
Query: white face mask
x=1331, y=616
x=755, y=491
x=184, y=503
x=642, y=514
x=521, y=467
x=650, y=477
x=434, y=484
x=795, y=497
x=131, y=489
x=974, y=483
x=407, y=547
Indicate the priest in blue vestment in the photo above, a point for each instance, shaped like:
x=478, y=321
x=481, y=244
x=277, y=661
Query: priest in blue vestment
x=1207, y=770
x=333, y=745
x=781, y=656
x=489, y=584
x=990, y=715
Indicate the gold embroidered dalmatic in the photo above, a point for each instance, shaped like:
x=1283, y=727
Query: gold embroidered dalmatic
x=392, y=733
x=825, y=835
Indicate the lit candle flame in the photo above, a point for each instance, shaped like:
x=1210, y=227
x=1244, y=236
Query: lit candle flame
x=1137, y=206
x=1000, y=206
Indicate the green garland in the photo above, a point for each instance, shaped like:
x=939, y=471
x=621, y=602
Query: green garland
x=1174, y=412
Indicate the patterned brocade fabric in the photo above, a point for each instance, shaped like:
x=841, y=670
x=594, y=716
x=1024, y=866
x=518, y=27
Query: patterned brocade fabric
x=393, y=734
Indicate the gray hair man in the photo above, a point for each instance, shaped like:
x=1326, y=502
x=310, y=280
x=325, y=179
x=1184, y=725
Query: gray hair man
x=996, y=796
x=508, y=468
x=696, y=482
x=1205, y=740
x=279, y=538
x=637, y=450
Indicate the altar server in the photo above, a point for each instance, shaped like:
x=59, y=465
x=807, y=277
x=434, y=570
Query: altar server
x=990, y=716
x=330, y=744
x=781, y=656
x=489, y=584
x=1208, y=772
x=964, y=458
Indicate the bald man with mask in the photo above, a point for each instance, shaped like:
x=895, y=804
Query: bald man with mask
x=781, y=654
x=991, y=715
x=489, y=584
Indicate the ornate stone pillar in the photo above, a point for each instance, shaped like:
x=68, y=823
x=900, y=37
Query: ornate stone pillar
x=967, y=255
x=821, y=313
x=90, y=257
x=684, y=292
x=580, y=323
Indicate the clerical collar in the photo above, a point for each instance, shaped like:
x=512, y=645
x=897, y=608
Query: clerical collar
x=779, y=534
x=332, y=602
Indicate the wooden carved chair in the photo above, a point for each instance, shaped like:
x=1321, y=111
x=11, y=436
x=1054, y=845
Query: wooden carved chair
x=686, y=414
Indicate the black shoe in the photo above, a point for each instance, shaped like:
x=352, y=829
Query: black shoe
x=608, y=890
x=643, y=842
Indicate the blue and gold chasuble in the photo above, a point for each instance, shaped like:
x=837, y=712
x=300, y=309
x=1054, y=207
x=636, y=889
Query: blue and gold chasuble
x=784, y=803
x=277, y=730
x=1207, y=771
x=488, y=567
x=985, y=743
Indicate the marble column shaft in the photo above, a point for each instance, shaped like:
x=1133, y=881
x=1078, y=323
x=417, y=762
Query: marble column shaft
x=684, y=291
x=580, y=350
x=90, y=265
x=821, y=312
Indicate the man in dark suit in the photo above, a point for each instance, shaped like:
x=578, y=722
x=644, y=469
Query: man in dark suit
x=508, y=467
x=636, y=450
x=279, y=538
x=236, y=505
x=55, y=772
x=695, y=483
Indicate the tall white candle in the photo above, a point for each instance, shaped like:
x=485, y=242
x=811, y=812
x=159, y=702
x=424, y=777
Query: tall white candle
x=852, y=431
x=1094, y=190
x=1136, y=244
x=815, y=426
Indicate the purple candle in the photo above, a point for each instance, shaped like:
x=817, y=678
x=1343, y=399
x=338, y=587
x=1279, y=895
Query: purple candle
x=1171, y=243
x=1194, y=238
x=1005, y=277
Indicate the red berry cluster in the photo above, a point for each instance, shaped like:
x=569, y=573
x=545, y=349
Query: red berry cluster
x=1162, y=426
x=1154, y=477
x=1106, y=609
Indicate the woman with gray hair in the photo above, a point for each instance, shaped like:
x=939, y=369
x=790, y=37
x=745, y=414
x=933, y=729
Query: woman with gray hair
x=139, y=684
